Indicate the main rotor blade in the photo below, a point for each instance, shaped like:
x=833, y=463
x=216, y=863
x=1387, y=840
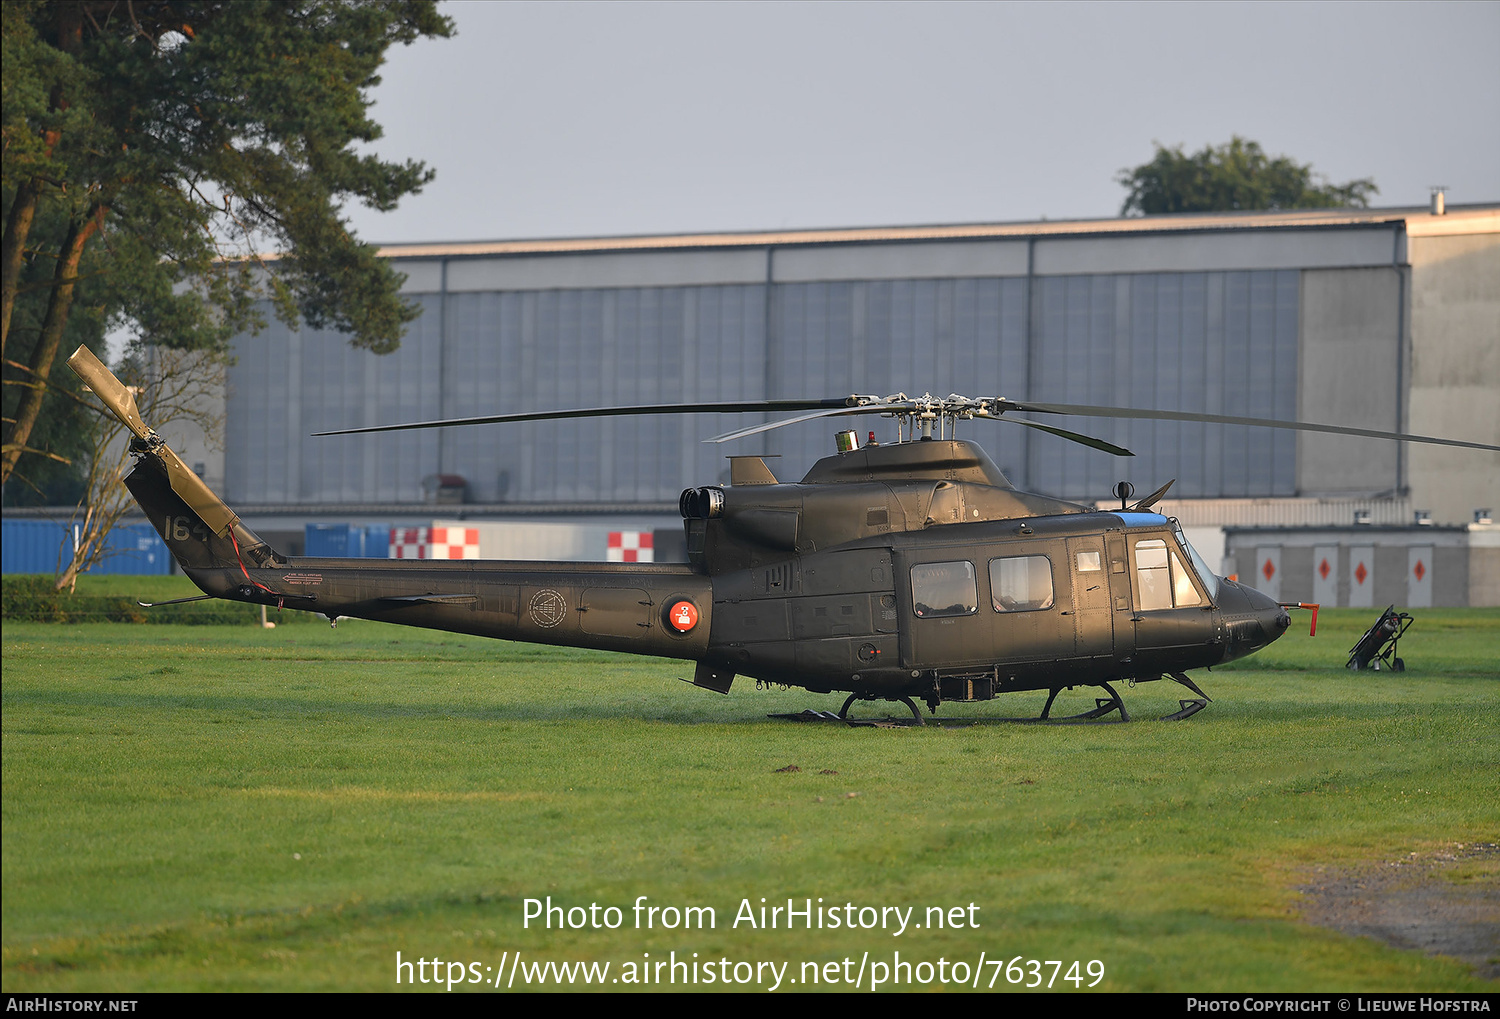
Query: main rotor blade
x=840, y=411
x=737, y=407
x=1079, y=437
x=1086, y=410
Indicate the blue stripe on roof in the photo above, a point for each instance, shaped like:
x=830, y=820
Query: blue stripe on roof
x=1142, y=519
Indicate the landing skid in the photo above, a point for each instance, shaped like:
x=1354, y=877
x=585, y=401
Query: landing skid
x=843, y=715
x=916, y=714
x=1103, y=707
x=1190, y=707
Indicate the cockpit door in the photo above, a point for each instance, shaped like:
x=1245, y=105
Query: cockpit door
x=1170, y=604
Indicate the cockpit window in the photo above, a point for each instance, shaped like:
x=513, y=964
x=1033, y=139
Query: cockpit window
x=1162, y=578
x=1151, y=574
x=944, y=589
x=1207, y=576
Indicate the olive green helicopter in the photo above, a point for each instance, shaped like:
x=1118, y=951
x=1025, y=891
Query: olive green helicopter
x=905, y=571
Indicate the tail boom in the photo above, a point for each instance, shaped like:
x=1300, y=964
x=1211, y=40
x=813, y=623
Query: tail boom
x=611, y=607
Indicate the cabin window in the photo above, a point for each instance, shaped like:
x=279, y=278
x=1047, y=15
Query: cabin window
x=1023, y=583
x=1163, y=581
x=1088, y=562
x=944, y=589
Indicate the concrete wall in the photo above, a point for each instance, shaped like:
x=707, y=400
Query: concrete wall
x=1350, y=374
x=1454, y=562
x=1455, y=371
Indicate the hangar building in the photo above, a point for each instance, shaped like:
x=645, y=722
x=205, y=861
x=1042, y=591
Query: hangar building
x=1385, y=318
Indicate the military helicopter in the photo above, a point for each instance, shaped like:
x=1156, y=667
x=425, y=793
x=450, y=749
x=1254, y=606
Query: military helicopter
x=905, y=571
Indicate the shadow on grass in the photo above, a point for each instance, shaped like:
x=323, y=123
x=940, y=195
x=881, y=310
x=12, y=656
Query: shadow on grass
x=676, y=707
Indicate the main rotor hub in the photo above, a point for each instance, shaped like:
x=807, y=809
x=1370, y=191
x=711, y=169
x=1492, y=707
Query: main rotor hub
x=926, y=409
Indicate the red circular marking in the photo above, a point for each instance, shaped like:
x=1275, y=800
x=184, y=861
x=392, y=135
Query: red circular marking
x=683, y=616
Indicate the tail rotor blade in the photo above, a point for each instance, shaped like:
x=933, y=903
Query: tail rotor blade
x=121, y=401
x=114, y=393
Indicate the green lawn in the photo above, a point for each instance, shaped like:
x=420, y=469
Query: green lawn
x=220, y=807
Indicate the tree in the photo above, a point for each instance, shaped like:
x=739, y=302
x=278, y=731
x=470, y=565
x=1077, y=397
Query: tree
x=153, y=149
x=172, y=388
x=1235, y=176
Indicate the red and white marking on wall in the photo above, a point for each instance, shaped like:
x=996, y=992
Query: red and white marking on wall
x=409, y=543
x=454, y=543
x=630, y=547
x=434, y=543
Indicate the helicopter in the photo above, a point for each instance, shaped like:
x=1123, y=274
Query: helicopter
x=903, y=572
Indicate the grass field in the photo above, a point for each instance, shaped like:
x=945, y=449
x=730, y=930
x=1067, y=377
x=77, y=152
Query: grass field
x=218, y=807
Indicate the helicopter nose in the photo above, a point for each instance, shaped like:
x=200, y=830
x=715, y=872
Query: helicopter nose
x=1273, y=619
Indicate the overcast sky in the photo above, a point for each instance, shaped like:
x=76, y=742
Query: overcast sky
x=555, y=119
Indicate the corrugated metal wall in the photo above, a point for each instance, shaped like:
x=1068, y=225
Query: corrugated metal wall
x=1219, y=342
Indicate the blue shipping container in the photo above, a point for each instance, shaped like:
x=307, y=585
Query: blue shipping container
x=45, y=546
x=34, y=546
x=355, y=541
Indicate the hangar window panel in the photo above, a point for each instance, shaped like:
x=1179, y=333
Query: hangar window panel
x=1168, y=381
x=878, y=353
x=939, y=314
x=944, y=589
x=1021, y=583
x=812, y=345
x=1288, y=313
x=964, y=310
x=1259, y=382
x=1195, y=381
x=1098, y=358
x=1213, y=375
